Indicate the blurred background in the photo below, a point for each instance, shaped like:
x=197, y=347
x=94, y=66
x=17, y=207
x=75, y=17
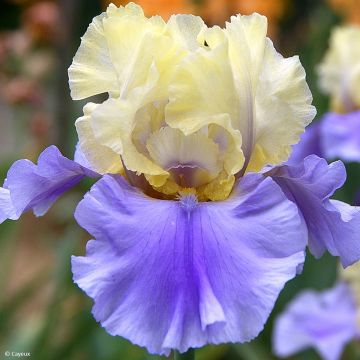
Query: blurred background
x=41, y=310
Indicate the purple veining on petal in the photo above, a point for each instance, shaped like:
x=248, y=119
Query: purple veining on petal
x=333, y=225
x=179, y=274
x=325, y=321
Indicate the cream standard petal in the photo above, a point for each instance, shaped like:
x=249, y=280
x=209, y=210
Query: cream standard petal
x=184, y=29
x=153, y=44
x=221, y=83
x=113, y=123
x=274, y=97
x=246, y=37
x=339, y=73
x=195, y=156
x=202, y=93
x=102, y=158
x=117, y=51
x=135, y=43
x=92, y=71
x=283, y=108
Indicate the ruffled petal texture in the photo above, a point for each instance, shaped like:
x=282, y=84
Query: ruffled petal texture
x=37, y=187
x=333, y=225
x=241, y=83
x=341, y=136
x=98, y=157
x=180, y=274
x=229, y=85
x=277, y=128
x=116, y=52
x=325, y=321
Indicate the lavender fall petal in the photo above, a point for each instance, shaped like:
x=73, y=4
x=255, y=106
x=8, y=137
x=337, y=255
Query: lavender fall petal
x=180, y=274
x=333, y=225
x=38, y=186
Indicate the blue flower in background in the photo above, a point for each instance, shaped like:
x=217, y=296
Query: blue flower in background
x=324, y=320
x=335, y=136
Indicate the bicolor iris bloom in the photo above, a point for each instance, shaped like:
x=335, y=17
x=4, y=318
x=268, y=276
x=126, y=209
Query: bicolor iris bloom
x=197, y=223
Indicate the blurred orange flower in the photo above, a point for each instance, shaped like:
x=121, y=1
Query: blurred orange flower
x=271, y=8
x=274, y=10
x=212, y=11
x=164, y=8
x=219, y=11
x=350, y=9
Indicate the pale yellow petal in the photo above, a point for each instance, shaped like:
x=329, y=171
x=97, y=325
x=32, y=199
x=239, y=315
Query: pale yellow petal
x=92, y=71
x=246, y=37
x=184, y=29
x=149, y=119
x=117, y=52
x=173, y=151
x=212, y=37
x=102, y=158
x=113, y=123
x=201, y=94
x=282, y=106
x=134, y=42
x=139, y=44
x=273, y=92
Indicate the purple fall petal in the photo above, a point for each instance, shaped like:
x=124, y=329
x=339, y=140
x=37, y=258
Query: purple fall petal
x=37, y=187
x=325, y=321
x=310, y=143
x=341, y=136
x=332, y=225
x=179, y=274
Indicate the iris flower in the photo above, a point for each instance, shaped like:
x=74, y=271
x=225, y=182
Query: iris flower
x=325, y=320
x=197, y=224
x=337, y=134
